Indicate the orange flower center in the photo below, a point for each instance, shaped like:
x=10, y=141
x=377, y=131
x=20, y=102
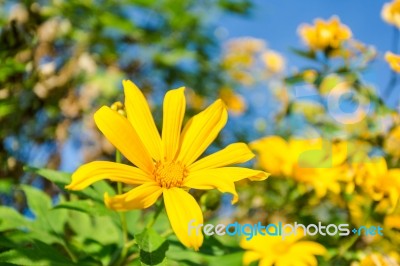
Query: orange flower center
x=170, y=174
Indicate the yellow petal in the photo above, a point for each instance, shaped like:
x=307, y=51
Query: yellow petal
x=393, y=198
x=117, y=129
x=222, y=179
x=140, y=197
x=232, y=154
x=139, y=115
x=201, y=130
x=205, y=181
x=92, y=172
x=233, y=174
x=309, y=247
x=284, y=261
x=181, y=209
x=268, y=260
x=306, y=259
x=250, y=256
x=274, y=155
x=173, y=113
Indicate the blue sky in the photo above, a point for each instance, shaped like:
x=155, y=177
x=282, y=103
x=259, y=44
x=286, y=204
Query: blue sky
x=276, y=22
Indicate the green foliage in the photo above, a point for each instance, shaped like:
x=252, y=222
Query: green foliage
x=61, y=59
x=152, y=247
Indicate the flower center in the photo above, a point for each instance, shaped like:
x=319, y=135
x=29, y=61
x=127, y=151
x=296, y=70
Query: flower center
x=170, y=174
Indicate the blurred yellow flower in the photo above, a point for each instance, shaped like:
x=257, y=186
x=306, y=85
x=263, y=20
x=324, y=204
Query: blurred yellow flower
x=315, y=162
x=240, y=57
x=310, y=75
x=195, y=101
x=234, y=102
x=359, y=209
x=329, y=82
x=393, y=60
x=381, y=184
x=377, y=259
x=242, y=77
x=272, y=250
x=273, y=61
x=391, y=13
x=246, y=45
x=166, y=164
x=324, y=34
x=392, y=142
x=392, y=221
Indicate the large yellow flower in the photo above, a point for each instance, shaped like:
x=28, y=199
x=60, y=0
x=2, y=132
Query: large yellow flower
x=315, y=162
x=273, y=61
x=166, y=164
x=325, y=34
x=273, y=250
x=391, y=13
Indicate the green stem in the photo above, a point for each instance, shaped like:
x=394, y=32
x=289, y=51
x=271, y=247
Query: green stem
x=70, y=254
x=122, y=216
x=167, y=233
x=156, y=214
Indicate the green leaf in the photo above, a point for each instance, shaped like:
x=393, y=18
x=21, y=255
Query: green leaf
x=80, y=223
x=152, y=247
x=6, y=185
x=87, y=206
x=294, y=79
x=11, y=219
x=102, y=187
x=38, y=201
x=306, y=54
x=61, y=179
x=229, y=259
x=134, y=222
x=37, y=253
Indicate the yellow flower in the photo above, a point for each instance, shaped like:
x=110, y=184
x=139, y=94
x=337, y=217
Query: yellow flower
x=358, y=208
x=381, y=184
x=391, y=13
x=166, y=165
x=235, y=103
x=272, y=250
x=392, y=221
x=273, y=61
x=314, y=162
x=376, y=259
x=393, y=60
x=246, y=45
x=392, y=142
x=325, y=34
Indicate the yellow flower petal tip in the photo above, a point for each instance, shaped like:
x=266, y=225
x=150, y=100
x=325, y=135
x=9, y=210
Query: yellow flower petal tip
x=69, y=187
x=261, y=176
x=106, y=199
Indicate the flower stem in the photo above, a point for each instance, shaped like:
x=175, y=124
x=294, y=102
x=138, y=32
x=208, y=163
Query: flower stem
x=156, y=214
x=122, y=216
